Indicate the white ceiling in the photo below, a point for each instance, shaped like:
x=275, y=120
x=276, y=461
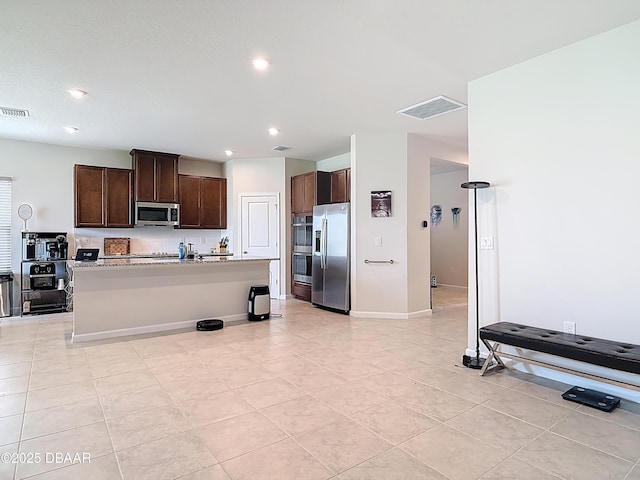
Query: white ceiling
x=177, y=77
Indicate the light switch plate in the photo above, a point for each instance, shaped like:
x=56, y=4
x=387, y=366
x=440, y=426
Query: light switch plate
x=378, y=241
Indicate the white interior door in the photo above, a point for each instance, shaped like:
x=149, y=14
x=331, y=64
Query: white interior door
x=260, y=232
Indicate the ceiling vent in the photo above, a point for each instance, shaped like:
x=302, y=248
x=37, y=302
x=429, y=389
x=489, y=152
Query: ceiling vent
x=432, y=108
x=281, y=148
x=14, y=112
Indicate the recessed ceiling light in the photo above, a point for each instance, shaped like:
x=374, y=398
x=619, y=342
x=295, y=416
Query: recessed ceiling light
x=273, y=131
x=75, y=93
x=71, y=129
x=260, y=63
x=228, y=153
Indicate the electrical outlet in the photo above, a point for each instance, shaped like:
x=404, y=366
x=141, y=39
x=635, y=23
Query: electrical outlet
x=570, y=327
x=450, y=269
x=203, y=240
x=486, y=243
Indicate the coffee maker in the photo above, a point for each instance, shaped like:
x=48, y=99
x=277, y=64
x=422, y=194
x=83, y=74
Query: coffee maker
x=42, y=246
x=57, y=250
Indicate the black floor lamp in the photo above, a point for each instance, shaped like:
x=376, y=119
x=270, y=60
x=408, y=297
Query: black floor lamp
x=467, y=361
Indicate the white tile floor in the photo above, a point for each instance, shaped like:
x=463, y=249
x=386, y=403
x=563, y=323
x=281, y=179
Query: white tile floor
x=311, y=395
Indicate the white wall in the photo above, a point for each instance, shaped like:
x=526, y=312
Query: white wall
x=196, y=166
x=557, y=136
x=379, y=162
x=400, y=163
x=417, y=283
x=258, y=175
x=42, y=176
x=334, y=163
x=449, y=241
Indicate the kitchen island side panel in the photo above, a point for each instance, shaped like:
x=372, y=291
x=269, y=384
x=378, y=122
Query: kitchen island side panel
x=111, y=302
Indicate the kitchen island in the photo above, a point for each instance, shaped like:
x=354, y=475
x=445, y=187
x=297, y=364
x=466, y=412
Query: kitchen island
x=129, y=296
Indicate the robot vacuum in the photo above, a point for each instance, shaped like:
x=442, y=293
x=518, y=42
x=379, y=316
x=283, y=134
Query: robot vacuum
x=209, y=325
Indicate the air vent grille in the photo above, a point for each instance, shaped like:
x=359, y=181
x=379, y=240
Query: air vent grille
x=432, y=108
x=14, y=112
x=281, y=148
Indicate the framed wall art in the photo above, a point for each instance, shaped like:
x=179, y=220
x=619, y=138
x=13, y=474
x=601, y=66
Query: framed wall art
x=381, y=203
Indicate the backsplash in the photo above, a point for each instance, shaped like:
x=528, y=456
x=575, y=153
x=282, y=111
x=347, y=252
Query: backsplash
x=149, y=239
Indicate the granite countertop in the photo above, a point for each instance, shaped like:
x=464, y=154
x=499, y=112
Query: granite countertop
x=131, y=262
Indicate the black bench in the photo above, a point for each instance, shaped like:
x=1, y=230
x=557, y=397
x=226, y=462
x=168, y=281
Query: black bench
x=620, y=356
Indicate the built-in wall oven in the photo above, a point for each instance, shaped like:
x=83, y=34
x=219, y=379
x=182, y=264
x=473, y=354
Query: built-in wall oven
x=302, y=267
x=302, y=232
x=302, y=235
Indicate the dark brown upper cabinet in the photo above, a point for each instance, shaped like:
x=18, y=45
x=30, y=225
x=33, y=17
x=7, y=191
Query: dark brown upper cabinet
x=341, y=186
x=102, y=196
x=118, y=197
x=308, y=190
x=203, y=202
x=213, y=202
x=156, y=176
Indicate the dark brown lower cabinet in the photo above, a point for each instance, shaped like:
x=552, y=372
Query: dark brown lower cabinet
x=301, y=291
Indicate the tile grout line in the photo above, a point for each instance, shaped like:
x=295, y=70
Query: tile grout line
x=106, y=425
x=354, y=381
x=634, y=466
x=548, y=430
x=24, y=408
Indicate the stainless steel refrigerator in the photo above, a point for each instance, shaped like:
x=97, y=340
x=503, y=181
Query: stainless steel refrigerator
x=330, y=268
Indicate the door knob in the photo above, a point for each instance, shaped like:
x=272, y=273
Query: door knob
x=245, y=252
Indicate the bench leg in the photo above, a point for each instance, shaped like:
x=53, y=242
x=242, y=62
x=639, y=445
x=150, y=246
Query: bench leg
x=492, y=356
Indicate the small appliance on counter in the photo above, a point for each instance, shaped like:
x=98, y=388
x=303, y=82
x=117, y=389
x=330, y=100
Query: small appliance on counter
x=42, y=276
x=44, y=246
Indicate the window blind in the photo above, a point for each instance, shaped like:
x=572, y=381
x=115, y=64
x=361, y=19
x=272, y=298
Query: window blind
x=5, y=223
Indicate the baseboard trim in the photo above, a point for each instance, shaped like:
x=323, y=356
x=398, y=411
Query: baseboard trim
x=391, y=315
x=163, y=327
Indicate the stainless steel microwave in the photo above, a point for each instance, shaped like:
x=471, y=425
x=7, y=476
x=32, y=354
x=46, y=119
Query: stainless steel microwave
x=158, y=214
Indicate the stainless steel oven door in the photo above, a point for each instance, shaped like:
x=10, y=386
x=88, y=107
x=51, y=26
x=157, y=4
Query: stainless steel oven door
x=302, y=233
x=302, y=267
